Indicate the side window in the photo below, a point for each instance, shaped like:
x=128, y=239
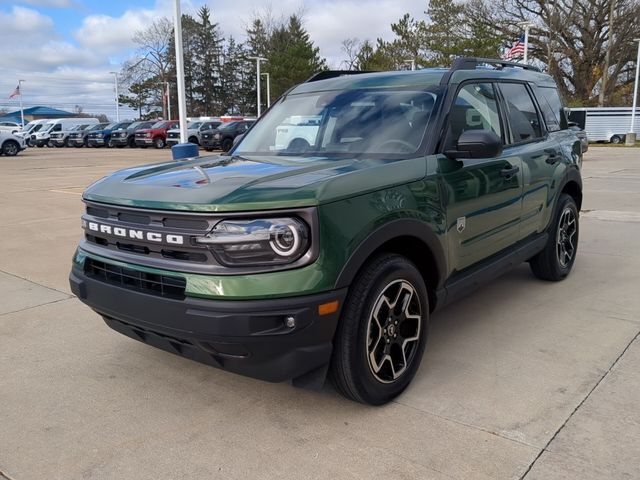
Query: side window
x=551, y=107
x=521, y=112
x=475, y=108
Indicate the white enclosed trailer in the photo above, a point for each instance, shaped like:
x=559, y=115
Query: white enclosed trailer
x=605, y=124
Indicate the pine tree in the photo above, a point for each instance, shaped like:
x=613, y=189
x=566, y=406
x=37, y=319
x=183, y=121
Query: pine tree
x=207, y=84
x=292, y=57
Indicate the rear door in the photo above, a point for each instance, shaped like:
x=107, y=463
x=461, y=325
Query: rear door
x=482, y=196
x=538, y=150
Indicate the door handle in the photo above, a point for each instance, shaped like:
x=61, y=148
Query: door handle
x=552, y=159
x=509, y=172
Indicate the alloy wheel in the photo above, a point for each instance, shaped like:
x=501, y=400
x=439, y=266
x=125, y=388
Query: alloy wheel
x=393, y=331
x=565, y=238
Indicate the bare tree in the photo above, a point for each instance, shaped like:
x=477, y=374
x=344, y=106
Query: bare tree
x=572, y=37
x=350, y=47
x=151, y=65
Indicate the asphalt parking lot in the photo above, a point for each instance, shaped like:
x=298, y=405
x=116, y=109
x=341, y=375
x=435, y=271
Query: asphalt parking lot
x=523, y=379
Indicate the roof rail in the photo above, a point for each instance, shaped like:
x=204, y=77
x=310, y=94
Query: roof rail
x=326, y=74
x=471, y=63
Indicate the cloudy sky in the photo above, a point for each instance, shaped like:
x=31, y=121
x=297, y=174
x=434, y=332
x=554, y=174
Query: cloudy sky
x=65, y=49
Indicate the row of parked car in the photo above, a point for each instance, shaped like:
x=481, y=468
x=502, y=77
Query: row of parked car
x=88, y=132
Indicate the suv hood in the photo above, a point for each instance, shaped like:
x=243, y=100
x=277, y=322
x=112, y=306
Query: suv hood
x=221, y=183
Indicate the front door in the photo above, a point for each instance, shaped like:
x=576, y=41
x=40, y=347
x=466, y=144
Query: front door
x=482, y=196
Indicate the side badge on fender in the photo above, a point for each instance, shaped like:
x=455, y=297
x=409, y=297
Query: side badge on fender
x=461, y=224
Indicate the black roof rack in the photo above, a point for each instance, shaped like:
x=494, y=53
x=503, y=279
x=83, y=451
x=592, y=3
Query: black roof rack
x=471, y=63
x=326, y=74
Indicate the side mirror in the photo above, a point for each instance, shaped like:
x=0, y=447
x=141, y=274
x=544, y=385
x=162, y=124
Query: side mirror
x=477, y=144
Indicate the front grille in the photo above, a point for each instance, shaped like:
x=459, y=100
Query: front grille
x=173, y=135
x=139, y=281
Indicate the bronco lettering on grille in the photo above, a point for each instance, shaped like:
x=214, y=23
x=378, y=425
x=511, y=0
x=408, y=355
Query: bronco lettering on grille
x=134, y=233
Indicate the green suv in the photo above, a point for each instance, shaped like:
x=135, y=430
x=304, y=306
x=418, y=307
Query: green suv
x=321, y=244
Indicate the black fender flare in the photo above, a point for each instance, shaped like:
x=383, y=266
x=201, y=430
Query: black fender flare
x=572, y=174
x=405, y=227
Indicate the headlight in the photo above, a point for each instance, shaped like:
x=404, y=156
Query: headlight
x=269, y=241
x=147, y=134
x=217, y=136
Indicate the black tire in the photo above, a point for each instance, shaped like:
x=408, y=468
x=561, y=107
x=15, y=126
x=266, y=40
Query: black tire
x=360, y=338
x=158, y=142
x=194, y=140
x=10, y=148
x=132, y=142
x=616, y=139
x=227, y=143
x=553, y=263
x=209, y=149
x=66, y=142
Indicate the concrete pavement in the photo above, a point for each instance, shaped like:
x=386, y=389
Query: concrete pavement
x=523, y=379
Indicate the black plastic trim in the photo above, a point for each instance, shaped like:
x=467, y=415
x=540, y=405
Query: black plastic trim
x=248, y=337
x=461, y=284
x=391, y=230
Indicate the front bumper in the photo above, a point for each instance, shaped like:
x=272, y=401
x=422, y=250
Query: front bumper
x=119, y=141
x=248, y=337
x=211, y=144
x=96, y=142
x=141, y=142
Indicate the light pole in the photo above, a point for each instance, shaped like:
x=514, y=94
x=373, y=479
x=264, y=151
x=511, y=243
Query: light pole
x=258, y=60
x=168, y=95
x=183, y=150
x=631, y=136
x=526, y=26
x=411, y=62
x=21, y=108
x=268, y=89
x=115, y=78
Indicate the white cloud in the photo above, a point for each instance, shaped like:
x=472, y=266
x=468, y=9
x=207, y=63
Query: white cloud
x=24, y=23
x=52, y=3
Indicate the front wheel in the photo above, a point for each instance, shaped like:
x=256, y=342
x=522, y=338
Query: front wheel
x=158, y=142
x=382, y=332
x=227, y=143
x=10, y=148
x=555, y=261
x=616, y=139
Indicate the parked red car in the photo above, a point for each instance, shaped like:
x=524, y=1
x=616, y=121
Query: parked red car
x=156, y=135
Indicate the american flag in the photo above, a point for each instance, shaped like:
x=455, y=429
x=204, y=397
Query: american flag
x=16, y=92
x=516, y=50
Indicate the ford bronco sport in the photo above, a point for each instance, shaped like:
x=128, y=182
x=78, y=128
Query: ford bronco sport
x=328, y=255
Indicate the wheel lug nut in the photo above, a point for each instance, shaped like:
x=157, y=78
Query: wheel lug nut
x=396, y=322
x=388, y=340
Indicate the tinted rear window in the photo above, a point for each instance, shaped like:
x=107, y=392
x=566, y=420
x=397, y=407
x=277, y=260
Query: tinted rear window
x=551, y=107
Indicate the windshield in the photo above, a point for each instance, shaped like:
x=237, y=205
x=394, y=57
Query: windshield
x=227, y=126
x=99, y=126
x=194, y=125
x=134, y=125
x=339, y=122
x=121, y=125
x=159, y=124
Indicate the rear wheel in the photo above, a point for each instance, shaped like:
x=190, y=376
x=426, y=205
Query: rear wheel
x=616, y=139
x=10, y=148
x=556, y=260
x=382, y=332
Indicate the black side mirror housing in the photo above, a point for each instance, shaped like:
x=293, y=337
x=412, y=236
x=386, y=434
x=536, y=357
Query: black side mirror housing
x=477, y=144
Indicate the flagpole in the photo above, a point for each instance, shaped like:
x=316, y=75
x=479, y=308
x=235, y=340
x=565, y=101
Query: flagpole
x=527, y=26
x=21, y=108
